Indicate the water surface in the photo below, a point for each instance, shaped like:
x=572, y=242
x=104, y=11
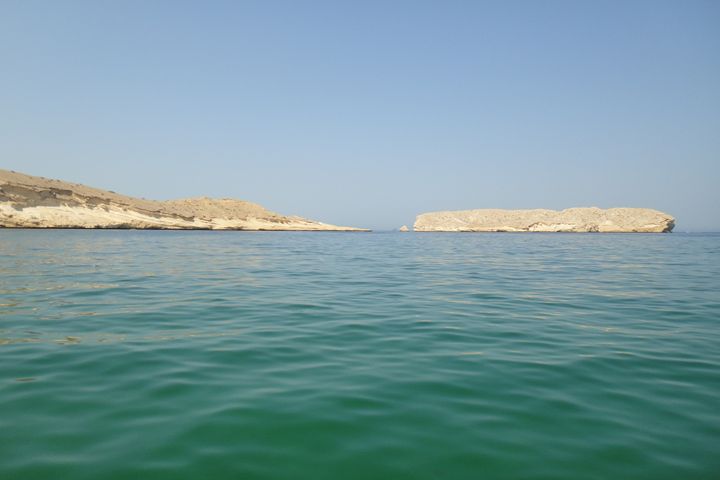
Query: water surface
x=173, y=355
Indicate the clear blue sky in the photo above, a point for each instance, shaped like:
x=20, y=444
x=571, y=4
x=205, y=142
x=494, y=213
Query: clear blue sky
x=369, y=112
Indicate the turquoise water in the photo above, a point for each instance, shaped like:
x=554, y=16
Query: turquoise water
x=173, y=355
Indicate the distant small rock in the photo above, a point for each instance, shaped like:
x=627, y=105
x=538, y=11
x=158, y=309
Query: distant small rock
x=404, y=228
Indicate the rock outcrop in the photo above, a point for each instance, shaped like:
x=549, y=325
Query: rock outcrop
x=592, y=219
x=404, y=228
x=36, y=202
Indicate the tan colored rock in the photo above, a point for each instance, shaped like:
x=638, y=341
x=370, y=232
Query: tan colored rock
x=404, y=228
x=570, y=220
x=36, y=202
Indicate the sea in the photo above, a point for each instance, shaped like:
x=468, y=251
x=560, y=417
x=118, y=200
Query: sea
x=386, y=355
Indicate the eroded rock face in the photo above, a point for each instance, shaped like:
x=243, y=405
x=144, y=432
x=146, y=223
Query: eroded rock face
x=35, y=202
x=591, y=219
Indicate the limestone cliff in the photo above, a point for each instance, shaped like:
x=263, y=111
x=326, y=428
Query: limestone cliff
x=570, y=220
x=36, y=202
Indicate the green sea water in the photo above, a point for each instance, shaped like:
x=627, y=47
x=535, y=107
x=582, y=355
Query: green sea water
x=239, y=355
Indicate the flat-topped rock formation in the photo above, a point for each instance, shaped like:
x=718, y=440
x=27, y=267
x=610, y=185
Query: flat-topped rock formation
x=616, y=220
x=36, y=202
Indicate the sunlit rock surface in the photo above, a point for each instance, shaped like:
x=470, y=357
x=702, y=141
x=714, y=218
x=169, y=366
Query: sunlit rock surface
x=36, y=202
x=570, y=220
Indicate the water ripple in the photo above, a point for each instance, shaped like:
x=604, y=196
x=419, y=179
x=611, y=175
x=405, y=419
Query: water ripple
x=292, y=355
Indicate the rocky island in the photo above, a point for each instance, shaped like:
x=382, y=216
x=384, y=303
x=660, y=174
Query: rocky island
x=35, y=202
x=612, y=220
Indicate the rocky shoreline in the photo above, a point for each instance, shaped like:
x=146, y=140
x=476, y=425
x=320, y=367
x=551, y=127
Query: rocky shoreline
x=592, y=219
x=35, y=202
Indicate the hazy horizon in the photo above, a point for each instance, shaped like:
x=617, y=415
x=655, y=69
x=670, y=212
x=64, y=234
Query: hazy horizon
x=368, y=114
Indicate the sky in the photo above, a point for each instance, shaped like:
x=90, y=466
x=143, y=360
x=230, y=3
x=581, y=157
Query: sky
x=367, y=113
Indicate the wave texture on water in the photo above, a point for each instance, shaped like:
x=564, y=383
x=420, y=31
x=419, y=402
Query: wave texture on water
x=294, y=355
